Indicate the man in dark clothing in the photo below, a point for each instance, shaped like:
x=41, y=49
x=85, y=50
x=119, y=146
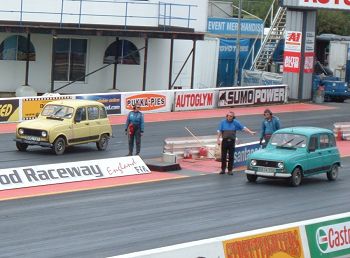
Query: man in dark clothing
x=269, y=125
x=227, y=131
x=134, y=128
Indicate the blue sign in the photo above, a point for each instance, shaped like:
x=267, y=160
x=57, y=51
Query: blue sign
x=250, y=27
x=227, y=48
x=112, y=102
x=242, y=152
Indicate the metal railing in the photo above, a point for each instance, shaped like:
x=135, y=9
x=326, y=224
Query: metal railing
x=106, y=12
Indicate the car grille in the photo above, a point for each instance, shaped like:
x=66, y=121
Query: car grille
x=266, y=163
x=32, y=132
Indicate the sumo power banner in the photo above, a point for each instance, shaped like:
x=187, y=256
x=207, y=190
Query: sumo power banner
x=237, y=96
x=71, y=172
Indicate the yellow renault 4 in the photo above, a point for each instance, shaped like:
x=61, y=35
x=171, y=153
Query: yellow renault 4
x=64, y=123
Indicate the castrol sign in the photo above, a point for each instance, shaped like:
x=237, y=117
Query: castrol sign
x=317, y=4
x=194, y=100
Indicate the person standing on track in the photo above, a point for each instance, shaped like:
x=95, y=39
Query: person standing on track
x=134, y=128
x=227, y=131
x=269, y=125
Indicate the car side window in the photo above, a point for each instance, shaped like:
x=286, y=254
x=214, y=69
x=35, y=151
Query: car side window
x=332, y=140
x=93, y=113
x=81, y=114
x=324, y=141
x=313, y=145
x=103, y=113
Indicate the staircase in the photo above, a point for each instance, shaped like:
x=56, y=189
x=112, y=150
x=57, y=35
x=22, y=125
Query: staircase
x=271, y=40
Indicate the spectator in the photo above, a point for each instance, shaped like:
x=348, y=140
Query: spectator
x=134, y=128
x=269, y=125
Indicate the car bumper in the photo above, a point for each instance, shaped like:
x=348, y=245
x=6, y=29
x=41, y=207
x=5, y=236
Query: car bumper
x=267, y=174
x=29, y=142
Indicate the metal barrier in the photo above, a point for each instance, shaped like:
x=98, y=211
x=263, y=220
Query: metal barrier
x=342, y=131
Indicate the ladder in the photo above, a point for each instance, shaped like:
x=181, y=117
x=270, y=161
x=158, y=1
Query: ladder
x=271, y=40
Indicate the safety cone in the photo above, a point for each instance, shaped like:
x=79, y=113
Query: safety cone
x=339, y=135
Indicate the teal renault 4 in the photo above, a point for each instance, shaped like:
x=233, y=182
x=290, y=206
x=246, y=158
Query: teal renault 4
x=296, y=152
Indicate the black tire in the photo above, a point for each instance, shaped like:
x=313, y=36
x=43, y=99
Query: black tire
x=333, y=173
x=327, y=98
x=59, y=146
x=103, y=142
x=252, y=178
x=296, y=177
x=21, y=146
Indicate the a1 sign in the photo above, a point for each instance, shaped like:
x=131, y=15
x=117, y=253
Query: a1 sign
x=293, y=41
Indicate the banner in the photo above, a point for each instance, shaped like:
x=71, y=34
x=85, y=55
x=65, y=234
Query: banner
x=112, y=102
x=194, y=100
x=285, y=243
x=292, y=52
x=149, y=102
x=71, y=172
x=252, y=95
x=9, y=110
x=329, y=238
x=250, y=27
x=243, y=150
x=31, y=107
x=254, y=78
x=317, y=4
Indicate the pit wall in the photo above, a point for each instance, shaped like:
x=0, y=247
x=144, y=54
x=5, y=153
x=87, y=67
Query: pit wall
x=120, y=103
x=324, y=237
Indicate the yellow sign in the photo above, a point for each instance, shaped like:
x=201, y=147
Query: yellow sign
x=31, y=107
x=277, y=244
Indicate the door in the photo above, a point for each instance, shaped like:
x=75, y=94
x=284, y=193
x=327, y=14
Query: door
x=94, y=123
x=317, y=156
x=80, y=126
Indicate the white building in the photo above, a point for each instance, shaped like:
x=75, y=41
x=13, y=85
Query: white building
x=49, y=44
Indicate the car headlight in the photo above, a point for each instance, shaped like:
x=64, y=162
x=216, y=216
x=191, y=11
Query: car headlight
x=20, y=131
x=280, y=165
x=44, y=134
x=253, y=162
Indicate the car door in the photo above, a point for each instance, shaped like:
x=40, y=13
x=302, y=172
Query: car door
x=315, y=162
x=80, y=127
x=94, y=122
x=328, y=149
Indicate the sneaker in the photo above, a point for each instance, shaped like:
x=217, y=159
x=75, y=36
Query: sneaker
x=222, y=172
x=129, y=154
x=230, y=173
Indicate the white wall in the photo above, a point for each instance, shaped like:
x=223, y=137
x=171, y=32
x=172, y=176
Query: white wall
x=106, y=12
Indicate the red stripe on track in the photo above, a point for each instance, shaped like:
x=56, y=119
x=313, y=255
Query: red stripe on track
x=85, y=185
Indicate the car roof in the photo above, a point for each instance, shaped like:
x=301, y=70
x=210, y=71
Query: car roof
x=304, y=130
x=75, y=102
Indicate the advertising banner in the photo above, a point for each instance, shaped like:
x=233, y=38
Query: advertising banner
x=71, y=172
x=230, y=26
x=149, y=102
x=243, y=150
x=194, y=100
x=112, y=102
x=31, y=107
x=285, y=243
x=329, y=238
x=252, y=95
x=292, y=52
x=9, y=110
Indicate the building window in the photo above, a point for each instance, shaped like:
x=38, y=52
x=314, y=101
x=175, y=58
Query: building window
x=127, y=53
x=70, y=59
x=15, y=48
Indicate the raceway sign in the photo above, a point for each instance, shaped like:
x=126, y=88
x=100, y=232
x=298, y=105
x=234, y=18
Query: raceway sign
x=252, y=95
x=71, y=172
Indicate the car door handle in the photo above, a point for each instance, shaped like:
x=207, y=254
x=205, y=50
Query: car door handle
x=86, y=123
x=319, y=153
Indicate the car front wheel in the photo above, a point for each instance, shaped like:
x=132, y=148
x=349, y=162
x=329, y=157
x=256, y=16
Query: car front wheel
x=296, y=177
x=333, y=173
x=21, y=146
x=103, y=142
x=252, y=178
x=59, y=146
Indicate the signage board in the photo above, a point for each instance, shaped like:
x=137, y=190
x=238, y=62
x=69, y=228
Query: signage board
x=318, y=4
x=229, y=26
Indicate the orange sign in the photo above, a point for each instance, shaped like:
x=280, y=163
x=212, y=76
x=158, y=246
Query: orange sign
x=277, y=244
x=146, y=101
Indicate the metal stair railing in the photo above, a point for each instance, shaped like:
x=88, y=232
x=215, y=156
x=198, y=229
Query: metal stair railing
x=271, y=41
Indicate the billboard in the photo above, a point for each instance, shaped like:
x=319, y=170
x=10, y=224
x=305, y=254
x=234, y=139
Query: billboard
x=318, y=4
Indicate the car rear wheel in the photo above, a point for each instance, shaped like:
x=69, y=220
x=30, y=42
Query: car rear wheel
x=333, y=173
x=296, y=177
x=252, y=178
x=21, y=146
x=103, y=142
x=59, y=146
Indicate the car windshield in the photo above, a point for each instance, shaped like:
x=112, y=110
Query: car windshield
x=57, y=111
x=288, y=140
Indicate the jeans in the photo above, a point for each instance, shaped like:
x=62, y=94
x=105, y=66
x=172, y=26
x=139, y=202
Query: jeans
x=136, y=137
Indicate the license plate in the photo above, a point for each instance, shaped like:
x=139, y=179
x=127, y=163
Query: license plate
x=266, y=169
x=32, y=138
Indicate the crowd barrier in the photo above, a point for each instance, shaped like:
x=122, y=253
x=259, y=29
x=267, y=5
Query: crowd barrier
x=27, y=108
x=322, y=237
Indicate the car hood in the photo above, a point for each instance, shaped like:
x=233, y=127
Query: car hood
x=40, y=123
x=276, y=154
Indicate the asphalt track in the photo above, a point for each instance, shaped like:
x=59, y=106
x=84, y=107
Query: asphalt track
x=126, y=218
